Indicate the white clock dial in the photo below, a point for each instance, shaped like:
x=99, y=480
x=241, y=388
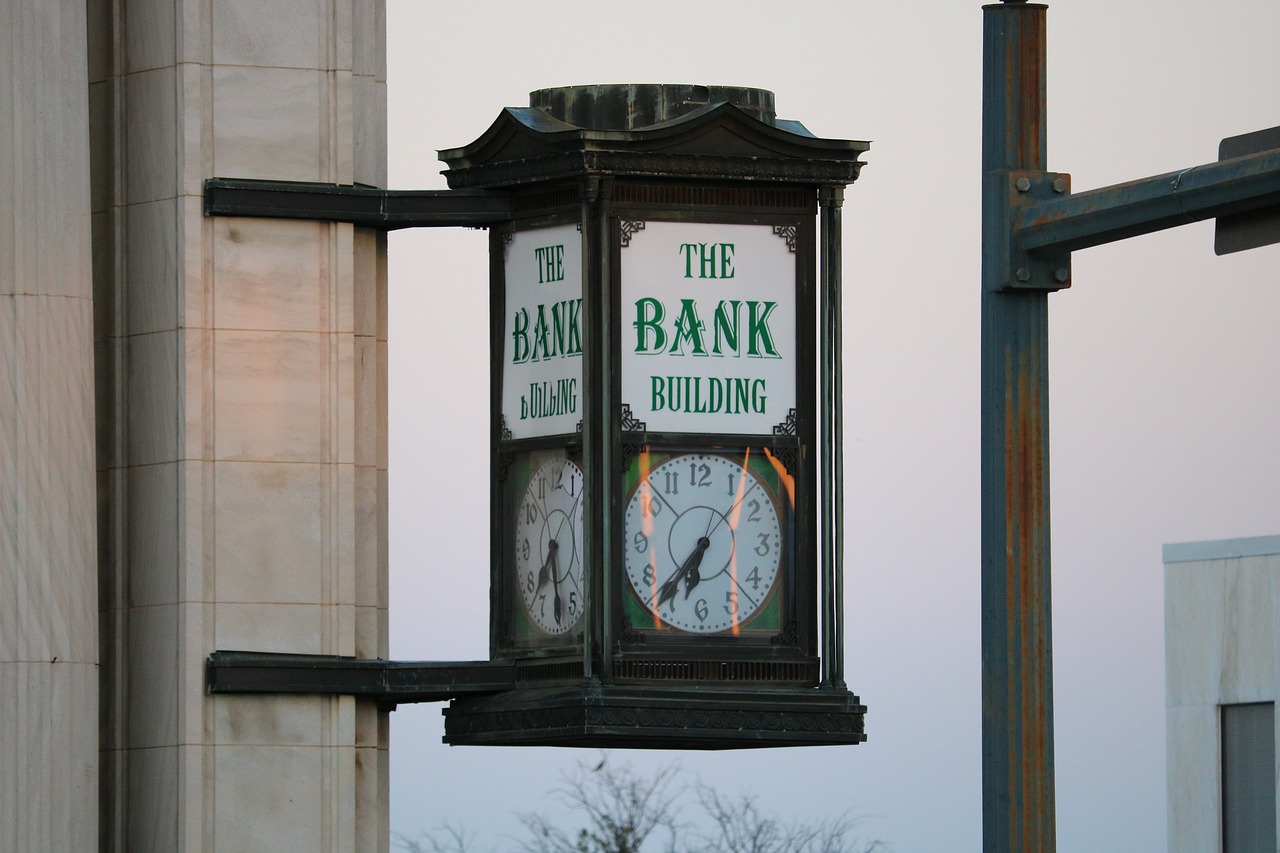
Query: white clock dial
x=703, y=543
x=548, y=546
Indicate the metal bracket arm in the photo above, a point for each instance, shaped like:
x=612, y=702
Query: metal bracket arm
x=382, y=680
x=1055, y=225
x=369, y=207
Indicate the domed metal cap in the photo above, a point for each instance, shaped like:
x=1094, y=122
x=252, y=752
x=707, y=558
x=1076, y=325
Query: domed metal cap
x=632, y=106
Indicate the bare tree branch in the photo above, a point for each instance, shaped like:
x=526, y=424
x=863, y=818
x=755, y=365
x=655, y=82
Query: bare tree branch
x=626, y=812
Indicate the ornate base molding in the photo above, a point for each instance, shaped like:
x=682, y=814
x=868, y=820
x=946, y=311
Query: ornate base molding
x=620, y=717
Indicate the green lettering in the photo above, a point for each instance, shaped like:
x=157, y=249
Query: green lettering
x=520, y=337
x=725, y=324
x=759, y=339
x=688, y=327
x=649, y=314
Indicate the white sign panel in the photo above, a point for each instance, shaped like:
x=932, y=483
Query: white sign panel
x=542, y=355
x=708, y=326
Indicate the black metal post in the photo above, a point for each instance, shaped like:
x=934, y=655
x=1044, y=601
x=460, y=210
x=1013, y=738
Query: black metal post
x=1017, y=661
x=831, y=200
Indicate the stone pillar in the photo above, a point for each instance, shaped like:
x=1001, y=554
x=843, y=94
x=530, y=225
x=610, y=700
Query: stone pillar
x=48, y=584
x=245, y=486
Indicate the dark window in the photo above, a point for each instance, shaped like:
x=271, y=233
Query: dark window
x=1249, y=778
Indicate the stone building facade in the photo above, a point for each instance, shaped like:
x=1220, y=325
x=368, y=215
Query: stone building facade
x=192, y=425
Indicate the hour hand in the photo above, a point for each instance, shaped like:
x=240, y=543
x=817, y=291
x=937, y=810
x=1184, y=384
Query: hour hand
x=548, y=570
x=688, y=570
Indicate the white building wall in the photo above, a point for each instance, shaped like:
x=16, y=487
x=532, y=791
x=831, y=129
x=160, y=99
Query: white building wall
x=48, y=567
x=1222, y=646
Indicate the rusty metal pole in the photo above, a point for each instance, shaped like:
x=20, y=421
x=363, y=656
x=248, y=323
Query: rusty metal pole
x=1017, y=672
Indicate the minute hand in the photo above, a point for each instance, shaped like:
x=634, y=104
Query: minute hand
x=688, y=570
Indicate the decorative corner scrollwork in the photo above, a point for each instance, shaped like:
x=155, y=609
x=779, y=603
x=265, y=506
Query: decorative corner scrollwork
x=504, y=432
x=629, y=452
x=629, y=422
x=630, y=635
x=508, y=236
x=791, y=426
x=579, y=427
x=788, y=636
x=789, y=457
x=788, y=233
x=630, y=227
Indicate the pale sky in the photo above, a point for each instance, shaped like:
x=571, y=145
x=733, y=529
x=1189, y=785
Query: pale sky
x=1165, y=408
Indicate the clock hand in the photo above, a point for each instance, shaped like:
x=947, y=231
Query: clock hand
x=688, y=570
x=548, y=565
x=556, y=607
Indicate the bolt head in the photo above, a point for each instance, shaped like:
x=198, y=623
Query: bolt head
x=1023, y=274
x=1059, y=185
x=1061, y=274
x=1023, y=184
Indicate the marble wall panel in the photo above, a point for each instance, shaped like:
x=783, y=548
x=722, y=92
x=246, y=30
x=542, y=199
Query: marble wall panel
x=155, y=794
x=369, y=39
x=272, y=275
x=280, y=34
x=148, y=30
x=151, y=134
x=369, y=103
x=153, y=536
x=271, y=123
x=285, y=628
x=281, y=721
x=271, y=798
x=151, y=266
x=365, y=245
x=271, y=395
x=48, y=590
x=271, y=532
x=152, y=684
x=153, y=390
x=48, y=789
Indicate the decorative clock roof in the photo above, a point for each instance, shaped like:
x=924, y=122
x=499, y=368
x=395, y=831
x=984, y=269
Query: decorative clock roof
x=715, y=133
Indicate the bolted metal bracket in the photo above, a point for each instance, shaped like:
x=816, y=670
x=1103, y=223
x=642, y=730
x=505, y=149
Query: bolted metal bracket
x=1032, y=269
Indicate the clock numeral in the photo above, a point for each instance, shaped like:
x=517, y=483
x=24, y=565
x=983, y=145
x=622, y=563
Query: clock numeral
x=524, y=549
x=640, y=541
x=649, y=574
x=529, y=583
x=542, y=488
x=754, y=515
x=573, y=603
x=763, y=547
x=701, y=610
x=754, y=579
x=699, y=474
x=649, y=508
x=672, y=481
x=731, y=603
x=530, y=513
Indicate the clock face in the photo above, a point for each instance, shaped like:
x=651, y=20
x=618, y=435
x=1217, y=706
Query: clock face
x=548, y=546
x=703, y=543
